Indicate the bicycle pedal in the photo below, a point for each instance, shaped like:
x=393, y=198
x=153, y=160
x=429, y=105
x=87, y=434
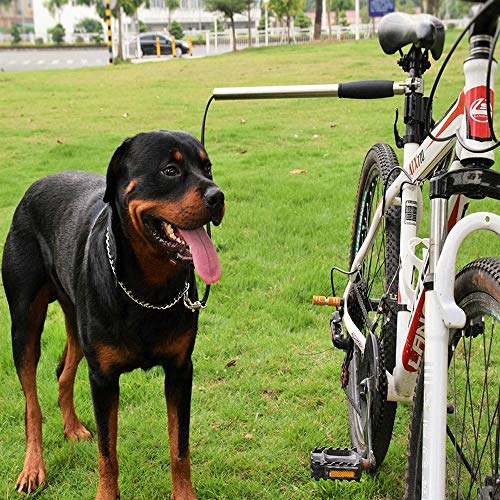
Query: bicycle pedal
x=321, y=300
x=341, y=464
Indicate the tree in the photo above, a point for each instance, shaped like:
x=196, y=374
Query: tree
x=249, y=4
x=176, y=30
x=432, y=7
x=15, y=34
x=88, y=25
x=129, y=7
x=302, y=21
x=58, y=33
x=453, y=9
x=229, y=8
x=55, y=7
x=317, y=19
x=408, y=6
x=286, y=9
x=220, y=26
x=338, y=6
x=171, y=5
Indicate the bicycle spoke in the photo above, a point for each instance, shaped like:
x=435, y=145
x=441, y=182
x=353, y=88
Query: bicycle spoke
x=459, y=451
x=375, y=275
x=482, y=451
x=474, y=433
x=487, y=354
x=380, y=270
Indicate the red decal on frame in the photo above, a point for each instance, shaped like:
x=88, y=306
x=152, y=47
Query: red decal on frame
x=478, y=127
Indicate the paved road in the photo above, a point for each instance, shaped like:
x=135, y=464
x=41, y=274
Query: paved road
x=22, y=60
x=35, y=59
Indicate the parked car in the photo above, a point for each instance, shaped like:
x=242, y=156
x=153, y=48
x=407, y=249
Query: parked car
x=148, y=45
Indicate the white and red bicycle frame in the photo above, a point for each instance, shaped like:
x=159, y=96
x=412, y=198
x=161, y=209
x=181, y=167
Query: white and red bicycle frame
x=424, y=317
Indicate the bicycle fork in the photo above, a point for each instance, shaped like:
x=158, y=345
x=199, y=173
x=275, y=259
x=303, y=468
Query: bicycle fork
x=435, y=368
x=441, y=314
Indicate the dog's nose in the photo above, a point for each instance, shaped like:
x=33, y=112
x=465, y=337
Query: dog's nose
x=213, y=198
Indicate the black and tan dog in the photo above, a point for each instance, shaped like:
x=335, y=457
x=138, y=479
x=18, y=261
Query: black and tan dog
x=117, y=253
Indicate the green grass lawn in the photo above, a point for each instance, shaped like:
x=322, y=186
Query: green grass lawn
x=254, y=422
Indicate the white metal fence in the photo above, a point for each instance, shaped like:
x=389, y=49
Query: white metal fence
x=214, y=42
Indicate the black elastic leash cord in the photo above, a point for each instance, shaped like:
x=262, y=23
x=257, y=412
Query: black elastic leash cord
x=207, y=227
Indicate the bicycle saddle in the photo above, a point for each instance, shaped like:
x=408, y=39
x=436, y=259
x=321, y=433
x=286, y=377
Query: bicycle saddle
x=396, y=30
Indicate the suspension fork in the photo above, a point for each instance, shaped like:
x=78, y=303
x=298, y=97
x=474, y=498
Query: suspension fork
x=435, y=367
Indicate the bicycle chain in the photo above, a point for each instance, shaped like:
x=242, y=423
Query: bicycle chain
x=361, y=314
x=361, y=303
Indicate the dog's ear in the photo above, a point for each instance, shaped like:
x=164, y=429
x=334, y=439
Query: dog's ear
x=114, y=170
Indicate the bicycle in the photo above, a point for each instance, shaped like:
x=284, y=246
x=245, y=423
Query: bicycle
x=402, y=294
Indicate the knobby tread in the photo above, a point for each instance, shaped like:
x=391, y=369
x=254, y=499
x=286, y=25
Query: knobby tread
x=382, y=157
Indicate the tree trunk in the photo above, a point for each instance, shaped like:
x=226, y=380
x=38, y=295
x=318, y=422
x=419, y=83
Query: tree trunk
x=288, y=37
x=433, y=7
x=120, y=41
x=233, y=29
x=317, y=19
x=249, y=26
x=329, y=20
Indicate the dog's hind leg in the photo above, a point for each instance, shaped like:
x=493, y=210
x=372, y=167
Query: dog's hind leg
x=27, y=324
x=28, y=291
x=66, y=372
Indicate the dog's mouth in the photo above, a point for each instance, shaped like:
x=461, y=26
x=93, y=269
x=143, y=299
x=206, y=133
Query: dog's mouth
x=185, y=245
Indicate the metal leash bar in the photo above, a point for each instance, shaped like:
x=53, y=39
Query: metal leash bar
x=364, y=89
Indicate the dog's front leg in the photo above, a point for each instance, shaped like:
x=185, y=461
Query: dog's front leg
x=178, y=384
x=105, y=398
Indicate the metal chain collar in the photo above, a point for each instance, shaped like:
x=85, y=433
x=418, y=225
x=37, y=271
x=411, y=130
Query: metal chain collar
x=183, y=294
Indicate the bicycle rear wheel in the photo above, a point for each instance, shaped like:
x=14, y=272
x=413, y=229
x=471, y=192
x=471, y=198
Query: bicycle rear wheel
x=472, y=450
x=373, y=301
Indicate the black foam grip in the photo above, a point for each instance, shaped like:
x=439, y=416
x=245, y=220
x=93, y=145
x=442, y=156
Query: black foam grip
x=367, y=89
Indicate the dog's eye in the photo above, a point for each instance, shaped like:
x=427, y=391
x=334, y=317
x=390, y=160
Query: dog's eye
x=170, y=171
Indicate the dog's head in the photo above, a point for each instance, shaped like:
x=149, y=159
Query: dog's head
x=161, y=185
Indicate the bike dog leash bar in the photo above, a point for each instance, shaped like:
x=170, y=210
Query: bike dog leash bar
x=364, y=89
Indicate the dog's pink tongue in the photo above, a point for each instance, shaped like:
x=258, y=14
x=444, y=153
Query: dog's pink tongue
x=205, y=258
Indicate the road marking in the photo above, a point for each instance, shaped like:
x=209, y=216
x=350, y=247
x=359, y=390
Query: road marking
x=69, y=61
x=84, y=61
x=41, y=61
x=26, y=62
x=55, y=61
x=12, y=62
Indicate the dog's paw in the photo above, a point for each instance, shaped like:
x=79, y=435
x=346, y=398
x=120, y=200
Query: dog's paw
x=32, y=476
x=107, y=493
x=76, y=432
x=186, y=494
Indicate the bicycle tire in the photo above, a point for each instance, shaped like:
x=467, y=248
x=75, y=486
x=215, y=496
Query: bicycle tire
x=380, y=163
x=477, y=292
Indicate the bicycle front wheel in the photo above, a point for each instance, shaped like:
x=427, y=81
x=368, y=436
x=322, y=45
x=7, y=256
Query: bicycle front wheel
x=472, y=450
x=373, y=301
